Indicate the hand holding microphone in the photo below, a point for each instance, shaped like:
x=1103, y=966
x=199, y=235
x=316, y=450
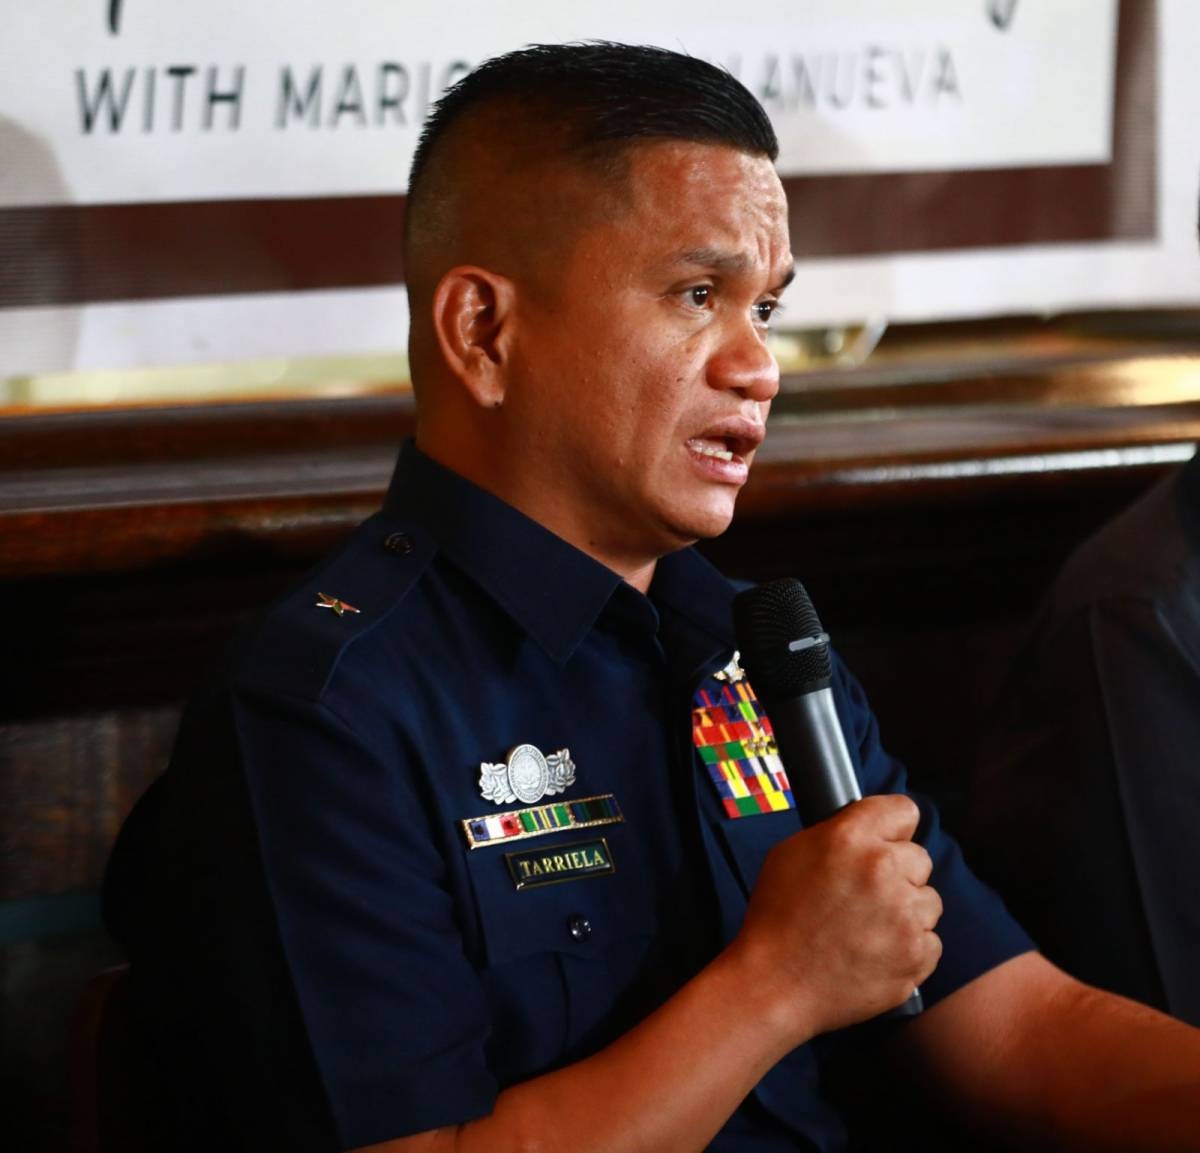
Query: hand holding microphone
x=849, y=893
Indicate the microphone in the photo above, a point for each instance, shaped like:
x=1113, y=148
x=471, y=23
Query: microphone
x=785, y=653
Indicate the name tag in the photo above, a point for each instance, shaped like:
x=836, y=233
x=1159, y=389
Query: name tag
x=535, y=867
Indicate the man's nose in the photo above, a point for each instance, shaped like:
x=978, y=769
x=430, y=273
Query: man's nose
x=746, y=365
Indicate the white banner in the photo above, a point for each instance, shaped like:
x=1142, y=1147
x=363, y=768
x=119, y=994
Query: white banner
x=109, y=101
x=112, y=102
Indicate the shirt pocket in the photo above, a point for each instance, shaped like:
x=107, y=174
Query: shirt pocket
x=559, y=955
x=582, y=915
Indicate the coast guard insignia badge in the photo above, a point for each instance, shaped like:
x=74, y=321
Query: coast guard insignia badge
x=526, y=776
x=732, y=672
x=339, y=606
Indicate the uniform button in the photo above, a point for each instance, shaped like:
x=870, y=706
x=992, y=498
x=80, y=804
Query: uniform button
x=579, y=927
x=399, y=543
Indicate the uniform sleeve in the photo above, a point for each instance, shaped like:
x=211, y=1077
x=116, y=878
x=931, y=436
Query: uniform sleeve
x=976, y=929
x=394, y=1012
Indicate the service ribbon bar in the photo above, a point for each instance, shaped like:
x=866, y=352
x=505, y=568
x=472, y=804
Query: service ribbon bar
x=518, y=824
x=734, y=738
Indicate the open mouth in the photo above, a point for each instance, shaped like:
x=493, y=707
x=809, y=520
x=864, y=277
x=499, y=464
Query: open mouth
x=714, y=448
x=729, y=441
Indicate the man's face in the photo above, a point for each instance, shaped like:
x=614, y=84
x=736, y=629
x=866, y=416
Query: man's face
x=641, y=374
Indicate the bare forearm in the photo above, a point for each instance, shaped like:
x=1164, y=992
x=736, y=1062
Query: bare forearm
x=1058, y=1065
x=1128, y=1079
x=669, y=1083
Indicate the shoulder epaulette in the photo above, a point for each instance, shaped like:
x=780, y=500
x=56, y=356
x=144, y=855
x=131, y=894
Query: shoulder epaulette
x=304, y=636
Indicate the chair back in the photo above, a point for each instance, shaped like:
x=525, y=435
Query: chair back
x=117, y=1100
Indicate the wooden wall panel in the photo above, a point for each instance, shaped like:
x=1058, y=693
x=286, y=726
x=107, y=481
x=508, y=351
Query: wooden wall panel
x=66, y=783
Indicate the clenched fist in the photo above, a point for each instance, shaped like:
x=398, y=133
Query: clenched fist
x=841, y=920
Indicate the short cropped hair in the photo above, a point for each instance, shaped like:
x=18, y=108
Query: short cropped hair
x=599, y=97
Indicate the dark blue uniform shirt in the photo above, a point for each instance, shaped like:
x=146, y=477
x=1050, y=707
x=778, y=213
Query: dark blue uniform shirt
x=323, y=959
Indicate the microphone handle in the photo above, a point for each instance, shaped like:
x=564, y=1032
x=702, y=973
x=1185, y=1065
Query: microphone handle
x=813, y=750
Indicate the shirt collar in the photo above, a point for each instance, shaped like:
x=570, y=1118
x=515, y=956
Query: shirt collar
x=554, y=592
x=689, y=586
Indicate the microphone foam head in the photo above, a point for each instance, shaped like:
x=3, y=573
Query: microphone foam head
x=767, y=619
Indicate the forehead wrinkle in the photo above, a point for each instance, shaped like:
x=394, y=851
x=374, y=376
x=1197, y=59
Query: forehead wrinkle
x=729, y=262
x=715, y=258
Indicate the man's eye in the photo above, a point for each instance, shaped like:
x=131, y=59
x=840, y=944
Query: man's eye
x=764, y=310
x=700, y=295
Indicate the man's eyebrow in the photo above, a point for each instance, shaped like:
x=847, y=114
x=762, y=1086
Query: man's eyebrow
x=714, y=258
x=722, y=261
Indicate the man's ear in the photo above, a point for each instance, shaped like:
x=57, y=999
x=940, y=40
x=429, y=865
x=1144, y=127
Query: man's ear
x=472, y=316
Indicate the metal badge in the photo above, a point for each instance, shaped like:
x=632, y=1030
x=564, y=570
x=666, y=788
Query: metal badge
x=339, y=606
x=732, y=672
x=527, y=776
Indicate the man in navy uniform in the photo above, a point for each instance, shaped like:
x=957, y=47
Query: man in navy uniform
x=481, y=844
